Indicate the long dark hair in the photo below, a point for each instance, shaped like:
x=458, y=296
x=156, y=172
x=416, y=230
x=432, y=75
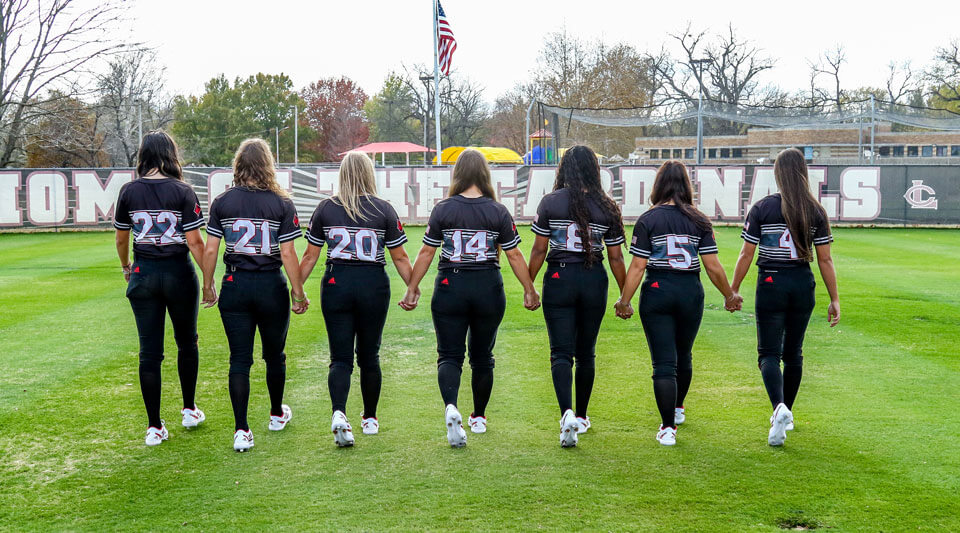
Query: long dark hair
x=800, y=209
x=673, y=184
x=159, y=151
x=579, y=172
x=471, y=169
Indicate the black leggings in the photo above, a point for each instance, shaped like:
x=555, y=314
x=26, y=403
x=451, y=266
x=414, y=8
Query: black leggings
x=671, y=307
x=354, y=300
x=785, y=300
x=574, y=301
x=467, y=301
x=158, y=287
x=252, y=300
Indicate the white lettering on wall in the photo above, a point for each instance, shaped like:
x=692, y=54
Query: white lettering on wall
x=860, y=193
x=636, y=185
x=96, y=200
x=720, y=191
x=47, y=197
x=10, y=214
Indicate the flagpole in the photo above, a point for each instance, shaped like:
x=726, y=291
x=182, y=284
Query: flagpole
x=436, y=79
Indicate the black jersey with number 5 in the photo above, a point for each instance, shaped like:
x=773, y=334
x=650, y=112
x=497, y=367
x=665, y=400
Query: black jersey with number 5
x=356, y=242
x=252, y=224
x=555, y=220
x=670, y=241
x=766, y=227
x=468, y=231
x=158, y=213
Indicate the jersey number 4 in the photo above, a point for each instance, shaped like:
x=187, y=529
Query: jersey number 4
x=786, y=242
x=147, y=221
x=476, y=246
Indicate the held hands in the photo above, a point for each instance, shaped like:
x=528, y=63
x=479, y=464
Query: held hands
x=411, y=299
x=300, y=302
x=531, y=300
x=623, y=310
x=733, y=303
x=209, y=297
x=833, y=313
x=126, y=272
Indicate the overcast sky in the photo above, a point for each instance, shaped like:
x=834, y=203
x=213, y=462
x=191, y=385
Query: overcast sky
x=498, y=40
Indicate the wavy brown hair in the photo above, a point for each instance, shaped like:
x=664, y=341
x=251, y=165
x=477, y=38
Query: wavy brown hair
x=471, y=169
x=800, y=209
x=579, y=171
x=673, y=184
x=253, y=167
x=159, y=151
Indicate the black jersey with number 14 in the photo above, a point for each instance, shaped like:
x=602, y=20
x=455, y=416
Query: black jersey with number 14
x=354, y=242
x=158, y=212
x=468, y=231
x=252, y=224
x=670, y=241
x=766, y=227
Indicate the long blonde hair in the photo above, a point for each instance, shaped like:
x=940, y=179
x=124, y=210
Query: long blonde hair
x=253, y=167
x=357, y=179
x=471, y=169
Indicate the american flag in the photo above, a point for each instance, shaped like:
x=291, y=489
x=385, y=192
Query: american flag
x=446, y=43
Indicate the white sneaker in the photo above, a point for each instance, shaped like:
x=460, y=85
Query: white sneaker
x=192, y=417
x=569, y=428
x=789, y=426
x=370, y=426
x=456, y=436
x=781, y=418
x=584, y=424
x=242, y=440
x=478, y=424
x=342, y=431
x=679, y=415
x=156, y=435
x=667, y=436
x=277, y=423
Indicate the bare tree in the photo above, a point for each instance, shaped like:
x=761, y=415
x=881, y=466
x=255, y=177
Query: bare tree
x=46, y=45
x=129, y=91
x=462, y=106
x=902, y=81
x=944, y=75
x=829, y=64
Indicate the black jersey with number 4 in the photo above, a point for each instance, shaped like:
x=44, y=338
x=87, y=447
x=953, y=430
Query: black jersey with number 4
x=158, y=213
x=356, y=242
x=468, y=231
x=670, y=241
x=766, y=227
x=555, y=220
x=252, y=224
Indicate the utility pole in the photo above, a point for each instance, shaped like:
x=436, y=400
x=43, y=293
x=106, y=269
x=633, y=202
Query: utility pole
x=426, y=112
x=698, y=63
x=436, y=81
x=873, y=125
x=278, y=144
x=296, y=136
x=140, y=120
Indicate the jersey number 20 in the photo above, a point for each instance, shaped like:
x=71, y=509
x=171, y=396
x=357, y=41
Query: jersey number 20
x=365, y=244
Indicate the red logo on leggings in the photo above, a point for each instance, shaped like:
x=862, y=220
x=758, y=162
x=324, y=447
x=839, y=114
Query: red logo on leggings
x=556, y=275
x=332, y=281
x=769, y=279
x=136, y=269
x=230, y=277
x=445, y=282
x=655, y=285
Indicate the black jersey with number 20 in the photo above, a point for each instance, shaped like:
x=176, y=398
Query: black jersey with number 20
x=554, y=220
x=158, y=212
x=670, y=241
x=468, y=231
x=356, y=242
x=766, y=227
x=252, y=224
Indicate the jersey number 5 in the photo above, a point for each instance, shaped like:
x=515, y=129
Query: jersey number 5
x=679, y=257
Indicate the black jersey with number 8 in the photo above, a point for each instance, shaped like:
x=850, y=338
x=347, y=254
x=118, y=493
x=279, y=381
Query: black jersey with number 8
x=468, y=231
x=253, y=223
x=554, y=220
x=356, y=242
x=766, y=227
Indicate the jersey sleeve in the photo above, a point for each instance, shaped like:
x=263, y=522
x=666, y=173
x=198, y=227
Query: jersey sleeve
x=191, y=214
x=121, y=215
x=708, y=242
x=614, y=235
x=541, y=221
x=434, y=235
x=214, y=229
x=751, y=228
x=640, y=242
x=394, y=236
x=822, y=234
x=509, y=238
x=316, y=233
x=289, y=224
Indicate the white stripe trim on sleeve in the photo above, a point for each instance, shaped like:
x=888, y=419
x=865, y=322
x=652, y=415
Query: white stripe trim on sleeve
x=290, y=236
x=313, y=240
x=640, y=252
x=432, y=242
x=539, y=231
x=707, y=250
x=512, y=244
x=614, y=241
x=214, y=231
x=194, y=225
x=749, y=238
x=121, y=225
x=396, y=242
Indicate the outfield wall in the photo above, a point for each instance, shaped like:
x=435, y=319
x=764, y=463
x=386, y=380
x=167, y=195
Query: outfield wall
x=897, y=195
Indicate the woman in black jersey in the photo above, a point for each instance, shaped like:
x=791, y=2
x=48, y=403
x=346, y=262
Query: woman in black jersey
x=357, y=228
x=165, y=217
x=259, y=223
x=470, y=227
x=787, y=227
x=669, y=242
x=576, y=221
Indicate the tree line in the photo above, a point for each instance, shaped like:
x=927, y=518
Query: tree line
x=70, y=96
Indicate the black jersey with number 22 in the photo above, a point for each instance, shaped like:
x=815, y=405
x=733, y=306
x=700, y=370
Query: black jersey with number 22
x=766, y=227
x=670, y=241
x=356, y=242
x=158, y=212
x=468, y=231
x=252, y=224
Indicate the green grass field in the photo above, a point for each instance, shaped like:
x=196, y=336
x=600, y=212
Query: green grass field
x=876, y=445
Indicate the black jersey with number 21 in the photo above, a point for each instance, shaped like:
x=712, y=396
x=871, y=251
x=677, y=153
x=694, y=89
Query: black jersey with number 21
x=555, y=220
x=468, y=231
x=670, y=241
x=158, y=212
x=766, y=227
x=356, y=242
x=252, y=224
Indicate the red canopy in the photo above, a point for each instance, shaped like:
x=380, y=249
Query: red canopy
x=391, y=148
x=541, y=134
